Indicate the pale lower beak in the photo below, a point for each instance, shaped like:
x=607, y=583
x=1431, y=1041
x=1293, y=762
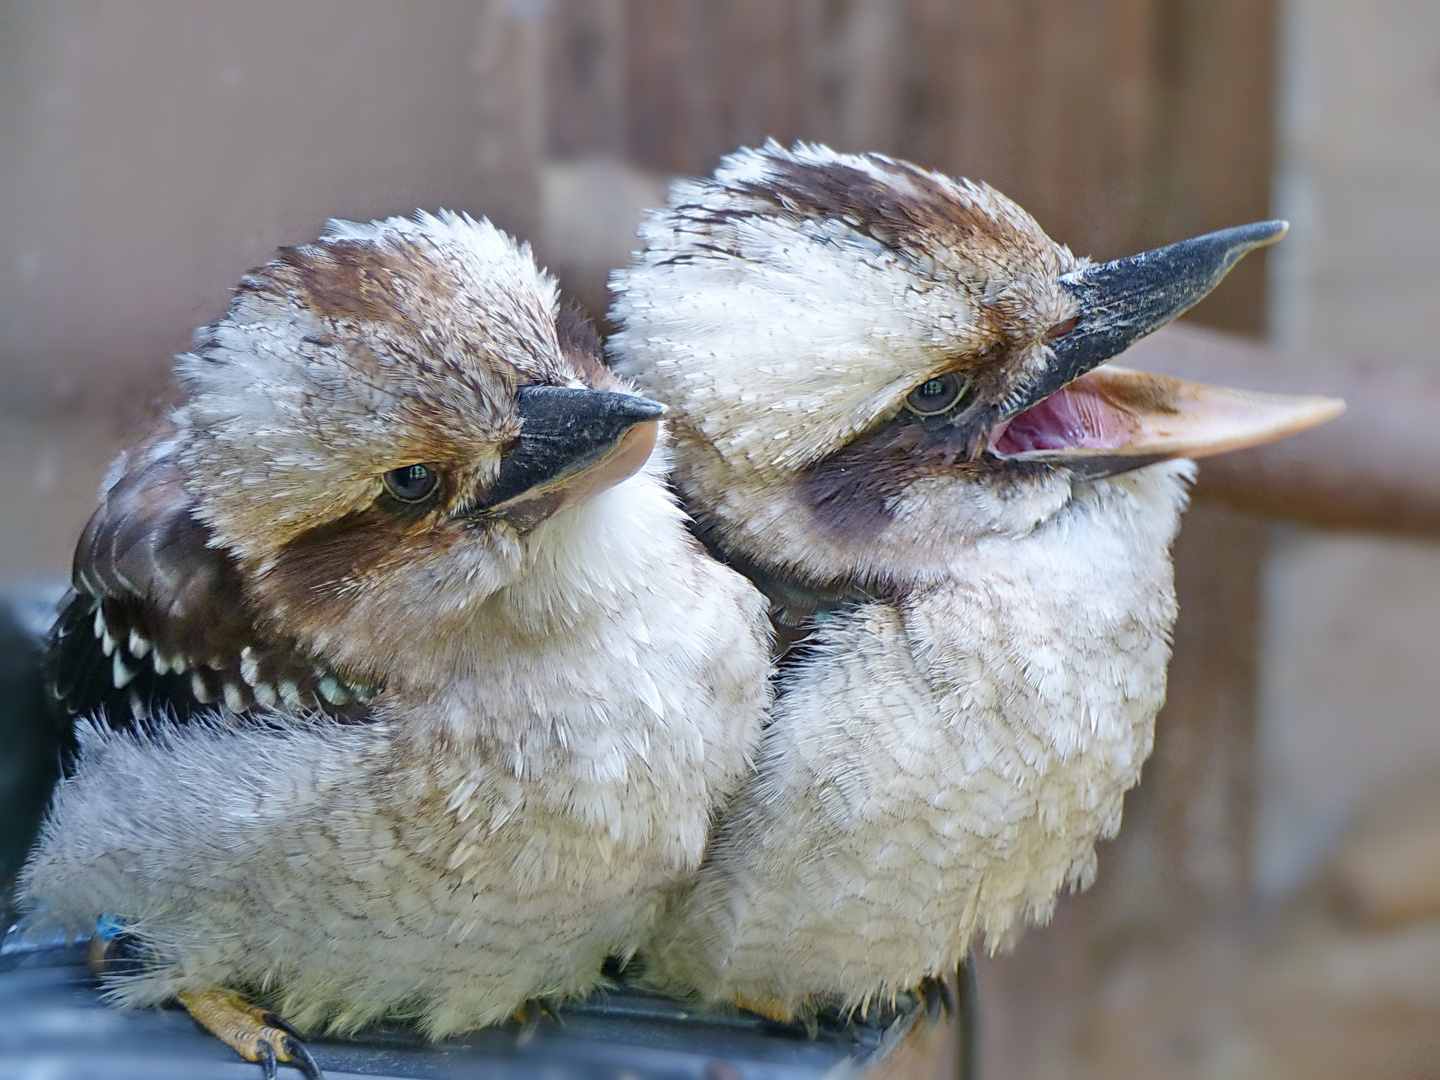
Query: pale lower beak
x=1114, y=419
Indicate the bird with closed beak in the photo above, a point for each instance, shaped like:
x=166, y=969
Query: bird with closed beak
x=890, y=412
x=407, y=692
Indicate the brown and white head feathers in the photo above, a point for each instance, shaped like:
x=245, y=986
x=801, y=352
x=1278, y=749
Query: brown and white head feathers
x=381, y=345
x=784, y=309
x=251, y=550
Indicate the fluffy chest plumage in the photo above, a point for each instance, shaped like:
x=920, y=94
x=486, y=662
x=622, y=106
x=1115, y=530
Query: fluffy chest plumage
x=468, y=846
x=942, y=765
x=597, y=717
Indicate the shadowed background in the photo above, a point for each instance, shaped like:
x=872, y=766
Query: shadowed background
x=1272, y=907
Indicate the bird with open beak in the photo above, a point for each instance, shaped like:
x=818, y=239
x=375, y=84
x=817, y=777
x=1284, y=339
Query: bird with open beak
x=890, y=411
x=405, y=689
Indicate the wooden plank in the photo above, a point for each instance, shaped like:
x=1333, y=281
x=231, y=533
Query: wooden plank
x=757, y=72
x=1376, y=467
x=1216, y=139
x=507, y=74
x=1197, y=795
x=1050, y=105
x=674, y=123
x=154, y=152
x=587, y=64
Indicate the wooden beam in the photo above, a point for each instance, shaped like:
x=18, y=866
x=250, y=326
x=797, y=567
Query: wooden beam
x=1376, y=467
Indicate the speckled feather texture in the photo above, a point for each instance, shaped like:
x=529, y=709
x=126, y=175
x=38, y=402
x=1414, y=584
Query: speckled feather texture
x=979, y=686
x=940, y=767
x=558, y=709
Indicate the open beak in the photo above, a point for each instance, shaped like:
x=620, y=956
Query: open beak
x=1113, y=419
x=573, y=444
x=1101, y=421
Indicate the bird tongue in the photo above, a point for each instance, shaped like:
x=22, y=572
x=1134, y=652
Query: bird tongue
x=1076, y=416
x=1113, y=412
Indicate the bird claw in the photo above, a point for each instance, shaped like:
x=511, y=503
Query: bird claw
x=529, y=1016
x=252, y=1033
x=774, y=1009
x=934, y=993
x=301, y=1058
x=266, y=1056
x=270, y=1019
x=967, y=1019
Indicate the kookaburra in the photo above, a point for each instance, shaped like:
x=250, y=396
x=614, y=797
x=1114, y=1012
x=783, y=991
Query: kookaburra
x=415, y=691
x=888, y=410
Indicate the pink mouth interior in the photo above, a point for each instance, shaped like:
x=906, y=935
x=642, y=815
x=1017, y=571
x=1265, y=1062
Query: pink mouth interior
x=1074, y=417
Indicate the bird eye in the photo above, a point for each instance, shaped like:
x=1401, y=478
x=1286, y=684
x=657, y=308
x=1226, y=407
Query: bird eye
x=411, y=483
x=935, y=396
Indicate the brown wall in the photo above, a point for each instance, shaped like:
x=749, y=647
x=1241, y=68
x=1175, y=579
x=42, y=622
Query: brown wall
x=154, y=150
x=1121, y=124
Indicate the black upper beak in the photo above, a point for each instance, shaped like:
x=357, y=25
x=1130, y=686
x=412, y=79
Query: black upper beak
x=563, y=432
x=1122, y=301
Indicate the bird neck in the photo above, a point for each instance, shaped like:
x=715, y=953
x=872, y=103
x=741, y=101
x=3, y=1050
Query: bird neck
x=583, y=576
x=1059, y=641
x=599, y=558
x=805, y=568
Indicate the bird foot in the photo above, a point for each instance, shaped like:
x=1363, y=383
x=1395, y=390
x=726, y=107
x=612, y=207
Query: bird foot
x=779, y=1010
x=254, y=1034
x=934, y=993
x=772, y=1008
x=529, y=1015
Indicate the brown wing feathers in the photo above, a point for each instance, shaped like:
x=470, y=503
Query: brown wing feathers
x=157, y=623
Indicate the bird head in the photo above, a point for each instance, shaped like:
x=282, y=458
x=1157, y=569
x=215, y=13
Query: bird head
x=387, y=426
x=868, y=362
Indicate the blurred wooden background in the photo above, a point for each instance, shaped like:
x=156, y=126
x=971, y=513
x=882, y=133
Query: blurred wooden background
x=155, y=149
x=1121, y=124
